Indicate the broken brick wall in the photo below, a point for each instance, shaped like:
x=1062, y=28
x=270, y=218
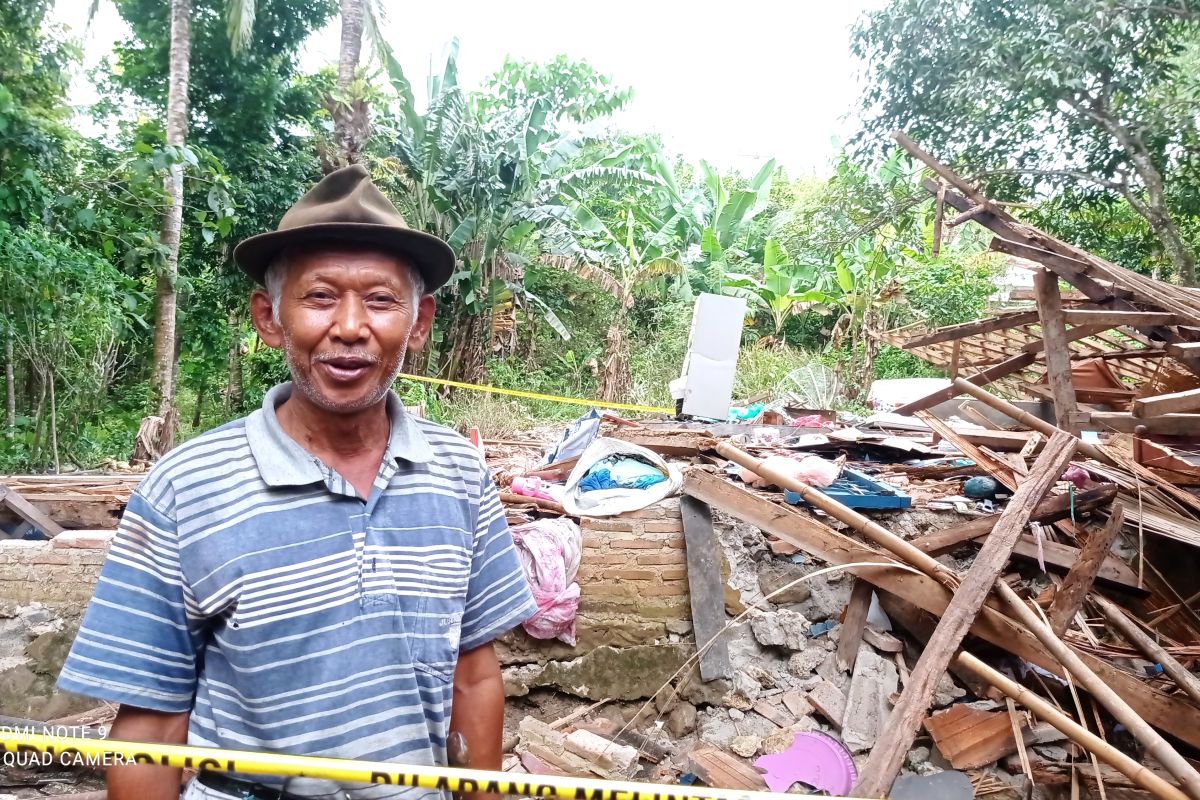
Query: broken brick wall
x=43, y=592
x=633, y=586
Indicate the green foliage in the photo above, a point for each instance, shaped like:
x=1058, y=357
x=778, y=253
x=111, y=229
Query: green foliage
x=572, y=89
x=1043, y=94
x=947, y=291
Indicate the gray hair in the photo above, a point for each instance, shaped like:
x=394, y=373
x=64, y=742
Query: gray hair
x=277, y=271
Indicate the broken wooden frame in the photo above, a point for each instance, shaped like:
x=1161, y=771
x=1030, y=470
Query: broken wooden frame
x=1157, y=324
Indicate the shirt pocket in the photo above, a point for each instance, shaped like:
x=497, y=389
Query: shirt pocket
x=435, y=633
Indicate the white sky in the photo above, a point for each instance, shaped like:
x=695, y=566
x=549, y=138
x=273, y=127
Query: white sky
x=735, y=83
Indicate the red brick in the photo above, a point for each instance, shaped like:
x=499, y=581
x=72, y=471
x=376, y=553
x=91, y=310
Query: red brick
x=634, y=544
x=673, y=574
x=663, y=526
x=631, y=574
x=672, y=557
x=606, y=559
x=594, y=542
x=665, y=590
x=597, y=524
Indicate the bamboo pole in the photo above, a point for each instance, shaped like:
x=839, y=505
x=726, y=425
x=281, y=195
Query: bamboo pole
x=898, y=547
x=1156, y=746
x=1186, y=681
x=1045, y=711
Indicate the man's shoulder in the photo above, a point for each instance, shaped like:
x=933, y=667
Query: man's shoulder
x=445, y=441
x=221, y=443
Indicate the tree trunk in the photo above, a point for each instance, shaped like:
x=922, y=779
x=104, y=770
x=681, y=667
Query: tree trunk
x=177, y=124
x=349, y=112
x=198, y=412
x=233, y=389
x=54, y=425
x=466, y=358
x=10, y=387
x=1154, y=207
x=615, y=380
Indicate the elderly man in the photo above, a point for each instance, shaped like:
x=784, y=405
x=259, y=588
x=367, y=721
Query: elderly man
x=326, y=575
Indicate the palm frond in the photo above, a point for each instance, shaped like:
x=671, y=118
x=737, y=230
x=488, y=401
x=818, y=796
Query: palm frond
x=239, y=22
x=657, y=268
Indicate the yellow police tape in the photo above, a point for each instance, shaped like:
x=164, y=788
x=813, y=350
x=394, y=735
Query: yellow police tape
x=579, y=401
x=109, y=752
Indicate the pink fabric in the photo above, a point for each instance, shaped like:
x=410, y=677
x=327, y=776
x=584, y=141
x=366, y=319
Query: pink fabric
x=550, y=550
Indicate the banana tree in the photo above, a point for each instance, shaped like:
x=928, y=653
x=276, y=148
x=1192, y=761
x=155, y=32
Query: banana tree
x=491, y=183
x=783, y=289
x=724, y=236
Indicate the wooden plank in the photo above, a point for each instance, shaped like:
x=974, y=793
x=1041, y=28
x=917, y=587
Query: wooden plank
x=850, y=633
x=1116, y=319
x=25, y=510
x=1051, y=509
x=706, y=589
x=889, y=751
x=992, y=373
x=1173, y=403
x=1184, y=349
x=951, y=333
x=1061, y=557
x=1073, y=335
x=1058, y=350
x=718, y=768
x=992, y=625
x=969, y=737
x=1125, y=422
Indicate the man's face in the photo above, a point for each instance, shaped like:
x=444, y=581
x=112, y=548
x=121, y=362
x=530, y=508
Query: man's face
x=346, y=319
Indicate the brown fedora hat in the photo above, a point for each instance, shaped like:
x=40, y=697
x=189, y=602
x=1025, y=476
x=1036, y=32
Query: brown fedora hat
x=346, y=206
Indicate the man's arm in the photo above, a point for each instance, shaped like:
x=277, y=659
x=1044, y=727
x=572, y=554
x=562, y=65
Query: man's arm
x=144, y=781
x=479, y=708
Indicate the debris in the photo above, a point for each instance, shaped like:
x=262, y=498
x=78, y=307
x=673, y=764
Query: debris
x=783, y=628
x=875, y=680
x=970, y=737
x=746, y=746
x=681, y=721
x=774, y=576
x=829, y=701
x=717, y=768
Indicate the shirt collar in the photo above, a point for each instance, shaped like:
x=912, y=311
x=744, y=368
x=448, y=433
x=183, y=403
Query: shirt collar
x=283, y=462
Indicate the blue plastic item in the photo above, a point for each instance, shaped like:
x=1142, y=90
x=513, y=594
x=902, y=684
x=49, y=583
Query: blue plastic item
x=856, y=490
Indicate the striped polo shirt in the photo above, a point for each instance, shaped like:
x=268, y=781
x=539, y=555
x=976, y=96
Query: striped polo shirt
x=250, y=584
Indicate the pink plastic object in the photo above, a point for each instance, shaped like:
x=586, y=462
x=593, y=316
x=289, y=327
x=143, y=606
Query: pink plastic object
x=810, y=470
x=818, y=760
x=534, y=487
x=1077, y=475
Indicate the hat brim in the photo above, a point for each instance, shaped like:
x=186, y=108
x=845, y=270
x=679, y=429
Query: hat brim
x=432, y=257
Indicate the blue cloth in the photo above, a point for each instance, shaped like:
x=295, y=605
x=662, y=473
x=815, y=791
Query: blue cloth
x=250, y=584
x=621, y=472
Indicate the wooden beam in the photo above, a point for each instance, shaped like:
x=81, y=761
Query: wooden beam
x=1070, y=270
x=26, y=511
x=887, y=755
x=951, y=333
x=850, y=633
x=1058, y=351
x=1049, y=510
x=1060, y=557
x=1069, y=597
x=1116, y=319
x=1167, y=404
x=822, y=542
x=941, y=170
x=706, y=589
x=1184, y=350
x=992, y=373
x=1072, y=335
x=1166, y=425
